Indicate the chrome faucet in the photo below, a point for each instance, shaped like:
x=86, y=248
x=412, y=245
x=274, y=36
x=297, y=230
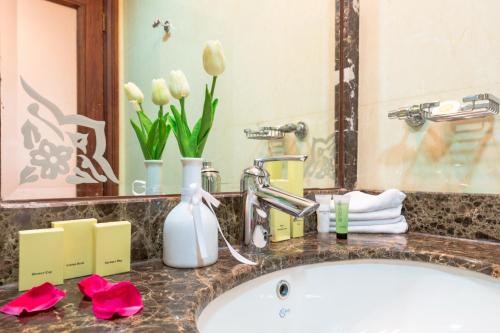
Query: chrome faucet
x=259, y=196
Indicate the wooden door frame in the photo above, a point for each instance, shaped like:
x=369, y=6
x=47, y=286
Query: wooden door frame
x=112, y=90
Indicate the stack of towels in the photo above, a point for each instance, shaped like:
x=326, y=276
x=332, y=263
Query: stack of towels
x=374, y=213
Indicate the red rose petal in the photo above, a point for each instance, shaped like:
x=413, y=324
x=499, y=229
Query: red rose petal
x=94, y=284
x=123, y=299
x=38, y=298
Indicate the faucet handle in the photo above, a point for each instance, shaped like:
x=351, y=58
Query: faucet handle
x=259, y=162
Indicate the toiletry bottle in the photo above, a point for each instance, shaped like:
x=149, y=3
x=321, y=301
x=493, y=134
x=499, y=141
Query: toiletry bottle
x=295, y=176
x=341, y=215
x=279, y=222
x=210, y=178
x=323, y=212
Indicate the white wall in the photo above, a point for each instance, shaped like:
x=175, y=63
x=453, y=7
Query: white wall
x=417, y=51
x=280, y=69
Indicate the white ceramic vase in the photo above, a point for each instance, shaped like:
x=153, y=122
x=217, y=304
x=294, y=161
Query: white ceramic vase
x=153, y=176
x=180, y=247
x=152, y=184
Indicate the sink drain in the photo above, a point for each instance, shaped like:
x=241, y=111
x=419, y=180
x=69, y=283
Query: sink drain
x=283, y=289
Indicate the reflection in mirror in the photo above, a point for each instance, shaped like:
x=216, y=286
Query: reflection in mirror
x=435, y=65
x=61, y=138
x=279, y=70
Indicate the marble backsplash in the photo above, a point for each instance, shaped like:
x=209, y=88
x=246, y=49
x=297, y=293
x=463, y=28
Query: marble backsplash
x=145, y=214
x=472, y=216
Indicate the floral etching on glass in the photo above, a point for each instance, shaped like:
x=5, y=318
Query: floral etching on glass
x=49, y=159
x=52, y=160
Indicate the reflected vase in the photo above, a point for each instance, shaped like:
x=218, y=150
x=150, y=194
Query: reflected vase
x=153, y=176
x=152, y=184
x=180, y=246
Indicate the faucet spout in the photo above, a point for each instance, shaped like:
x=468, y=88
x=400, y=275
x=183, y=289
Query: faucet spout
x=259, y=196
x=287, y=202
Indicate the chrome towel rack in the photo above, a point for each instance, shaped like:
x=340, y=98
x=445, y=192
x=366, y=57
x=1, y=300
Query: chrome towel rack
x=274, y=133
x=474, y=106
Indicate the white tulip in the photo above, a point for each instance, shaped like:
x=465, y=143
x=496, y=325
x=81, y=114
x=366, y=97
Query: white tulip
x=214, y=61
x=178, y=84
x=161, y=94
x=134, y=94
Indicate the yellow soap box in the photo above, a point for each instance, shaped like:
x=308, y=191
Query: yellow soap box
x=78, y=246
x=112, y=247
x=40, y=257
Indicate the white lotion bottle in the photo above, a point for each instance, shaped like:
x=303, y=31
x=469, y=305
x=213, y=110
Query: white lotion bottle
x=323, y=212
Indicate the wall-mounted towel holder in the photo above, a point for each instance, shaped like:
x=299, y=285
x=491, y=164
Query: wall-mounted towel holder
x=475, y=106
x=273, y=133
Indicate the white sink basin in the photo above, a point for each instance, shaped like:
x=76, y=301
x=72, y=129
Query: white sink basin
x=363, y=296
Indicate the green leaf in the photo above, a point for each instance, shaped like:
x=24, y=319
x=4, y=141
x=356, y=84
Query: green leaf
x=182, y=137
x=174, y=121
x=160, y=129
x=173, y=124
x=193, y=140
x=214, y=107
x=206, y=120
x=145, y=121
x=203, y=138
x=152, y=138
x=183, y=114
x=142, y=140
x=201, y=145
x=163, y=139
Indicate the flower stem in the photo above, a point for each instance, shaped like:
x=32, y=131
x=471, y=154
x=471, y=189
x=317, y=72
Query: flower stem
x=183, y=112
x=140, y=121
x=212, y=89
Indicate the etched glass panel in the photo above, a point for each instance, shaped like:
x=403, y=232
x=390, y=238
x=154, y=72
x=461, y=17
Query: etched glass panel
x=43, y=155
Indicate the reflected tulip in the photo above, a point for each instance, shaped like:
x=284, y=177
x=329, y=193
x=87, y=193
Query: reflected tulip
x=161, y=94
x=178, y=84
x=214, y=61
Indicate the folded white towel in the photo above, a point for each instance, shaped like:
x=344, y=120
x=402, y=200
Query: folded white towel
x=395, y=228
x=362, y=202
x=393, y=220
x=389, y=213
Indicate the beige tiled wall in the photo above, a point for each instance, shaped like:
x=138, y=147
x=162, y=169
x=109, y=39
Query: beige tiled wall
x=416, y=51
x=280, y=69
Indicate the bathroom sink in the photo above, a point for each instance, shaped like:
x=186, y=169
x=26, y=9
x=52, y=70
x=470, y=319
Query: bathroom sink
x=363, y=296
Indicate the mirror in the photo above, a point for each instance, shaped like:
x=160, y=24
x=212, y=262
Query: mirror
x=65, y=120
x=438, y=57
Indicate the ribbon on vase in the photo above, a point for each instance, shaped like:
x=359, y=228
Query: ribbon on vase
x=196, y=195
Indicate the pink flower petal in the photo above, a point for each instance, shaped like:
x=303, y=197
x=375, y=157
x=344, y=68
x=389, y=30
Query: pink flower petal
x=123, y=299
x=93, y=284
x=38, y=298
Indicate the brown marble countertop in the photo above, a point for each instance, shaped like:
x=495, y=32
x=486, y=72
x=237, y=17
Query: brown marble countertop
x=173, y=298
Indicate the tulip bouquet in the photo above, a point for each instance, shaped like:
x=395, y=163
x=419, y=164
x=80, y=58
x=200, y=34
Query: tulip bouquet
x=179, y=236
x=152, y=134
x=191, y=142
